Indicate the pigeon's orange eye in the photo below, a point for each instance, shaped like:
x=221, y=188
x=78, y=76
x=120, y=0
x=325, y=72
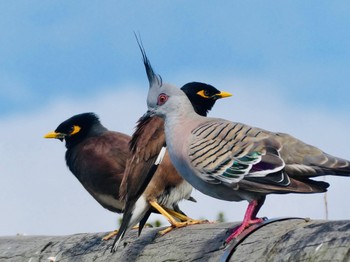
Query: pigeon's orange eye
x=162, y=98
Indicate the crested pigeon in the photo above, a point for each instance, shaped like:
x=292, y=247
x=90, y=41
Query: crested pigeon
x=233, y=161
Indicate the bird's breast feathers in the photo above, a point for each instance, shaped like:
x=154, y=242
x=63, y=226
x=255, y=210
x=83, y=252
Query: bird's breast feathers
x=176, y=194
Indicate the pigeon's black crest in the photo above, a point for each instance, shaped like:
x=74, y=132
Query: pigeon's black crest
x=152, y=77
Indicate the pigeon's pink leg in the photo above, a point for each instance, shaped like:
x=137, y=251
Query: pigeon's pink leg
x=249, y=218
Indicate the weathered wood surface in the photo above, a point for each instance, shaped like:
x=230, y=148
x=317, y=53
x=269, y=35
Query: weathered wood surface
x=290, y=240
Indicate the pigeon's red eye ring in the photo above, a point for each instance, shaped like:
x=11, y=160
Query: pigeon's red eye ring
x=162, y=98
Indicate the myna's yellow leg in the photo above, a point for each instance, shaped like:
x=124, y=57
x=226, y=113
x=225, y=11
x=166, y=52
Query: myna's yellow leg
x=110, y=235
x=171, y=219
x=114, y=233
x=177, y=215
x=183, y=217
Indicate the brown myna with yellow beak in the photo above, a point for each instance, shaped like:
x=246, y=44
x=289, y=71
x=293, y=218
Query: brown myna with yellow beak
x=96, y=156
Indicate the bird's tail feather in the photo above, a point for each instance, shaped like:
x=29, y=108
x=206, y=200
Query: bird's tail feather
x=144, y=220
x=123, y=228
x=191, y=198
x=133, y=214
x=326, y=164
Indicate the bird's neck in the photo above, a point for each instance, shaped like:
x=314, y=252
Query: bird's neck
x=201, y=110
x=177, y=117
x=177, y=125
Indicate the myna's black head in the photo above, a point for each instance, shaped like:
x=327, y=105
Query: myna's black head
x=77, y=128
x=203, y=96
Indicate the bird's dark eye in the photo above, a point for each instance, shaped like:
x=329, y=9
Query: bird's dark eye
x=162, y=98
x=206, y=93
x=74, y=129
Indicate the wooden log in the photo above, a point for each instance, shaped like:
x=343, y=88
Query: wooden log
x=289, y=240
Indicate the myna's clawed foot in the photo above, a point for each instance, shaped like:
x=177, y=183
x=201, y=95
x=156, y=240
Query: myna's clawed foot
x=115, y=232
x=182, y=224
x=185, y=221
x=110, y=235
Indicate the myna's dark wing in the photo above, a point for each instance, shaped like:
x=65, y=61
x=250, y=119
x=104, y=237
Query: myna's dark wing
x=145, y=145
x=99, y=163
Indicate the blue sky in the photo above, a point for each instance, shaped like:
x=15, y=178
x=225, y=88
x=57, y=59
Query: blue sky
x=61, y=49
x=286, y=62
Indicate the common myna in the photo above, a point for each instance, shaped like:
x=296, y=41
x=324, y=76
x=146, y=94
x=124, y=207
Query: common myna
x=96, y=156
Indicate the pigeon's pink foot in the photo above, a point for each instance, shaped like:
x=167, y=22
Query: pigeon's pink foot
x=238, y=230
x=249, y=218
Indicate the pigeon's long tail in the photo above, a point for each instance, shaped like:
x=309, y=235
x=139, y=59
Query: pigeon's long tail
x=326, y=164
x=304, y=161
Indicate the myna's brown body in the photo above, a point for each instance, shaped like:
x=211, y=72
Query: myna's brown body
x=96, y=156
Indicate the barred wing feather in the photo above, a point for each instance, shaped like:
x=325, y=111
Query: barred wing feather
x=226, y=152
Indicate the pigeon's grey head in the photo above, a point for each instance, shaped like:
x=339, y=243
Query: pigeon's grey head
x=167, y=99
x=162, y=98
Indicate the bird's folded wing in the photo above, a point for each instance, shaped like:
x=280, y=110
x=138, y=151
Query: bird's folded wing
x=148, y=138
x=145, y=145
x=226, y=152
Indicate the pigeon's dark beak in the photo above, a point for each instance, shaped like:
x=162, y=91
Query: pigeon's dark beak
x=147, y=115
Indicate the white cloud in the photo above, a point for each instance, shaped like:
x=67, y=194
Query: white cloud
x=38, y=195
